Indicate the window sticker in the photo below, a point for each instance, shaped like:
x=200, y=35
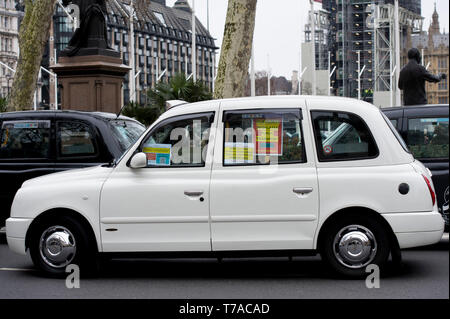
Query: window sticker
x=6, y=139
x=26, y=125
x=239, y=153
x=158, y=154
x=440, y=120
x=253, y=116
x=328, y=149
x=269, y=136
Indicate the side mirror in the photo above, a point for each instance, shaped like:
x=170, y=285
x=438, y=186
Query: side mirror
x=139, y=160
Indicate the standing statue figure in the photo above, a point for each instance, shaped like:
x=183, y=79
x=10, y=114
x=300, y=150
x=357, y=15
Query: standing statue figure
x=412, y=79
x=92, y=31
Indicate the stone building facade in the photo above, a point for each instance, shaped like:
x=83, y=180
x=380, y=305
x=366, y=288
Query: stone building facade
x=9, y=43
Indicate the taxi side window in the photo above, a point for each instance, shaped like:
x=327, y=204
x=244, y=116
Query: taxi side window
x=262, y=137
x=428, y=137
x=342, y=136
x=179, y=142
x=75, y=139
x=25, y=140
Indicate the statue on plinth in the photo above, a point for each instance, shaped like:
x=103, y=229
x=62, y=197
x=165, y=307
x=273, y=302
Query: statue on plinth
x=92, y=32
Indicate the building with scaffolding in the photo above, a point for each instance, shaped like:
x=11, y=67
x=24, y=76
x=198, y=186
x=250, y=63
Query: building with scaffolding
x=322, y=37
x=163, y=45
x=367, y=27
x=322, y=51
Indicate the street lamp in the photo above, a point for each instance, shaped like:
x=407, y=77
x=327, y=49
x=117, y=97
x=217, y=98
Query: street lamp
x=194, y=43
x=8, y=78
x=131, y=16
x=313, y=42
x=360, y=72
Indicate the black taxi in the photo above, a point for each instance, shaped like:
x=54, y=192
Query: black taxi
x=425, y=130
x=35, y=143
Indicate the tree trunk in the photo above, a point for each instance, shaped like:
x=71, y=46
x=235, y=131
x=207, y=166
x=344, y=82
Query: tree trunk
x=236, y=49
x=33, y=36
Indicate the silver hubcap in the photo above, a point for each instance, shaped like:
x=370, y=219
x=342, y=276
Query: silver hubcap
x=57, y=246
x=355, y=246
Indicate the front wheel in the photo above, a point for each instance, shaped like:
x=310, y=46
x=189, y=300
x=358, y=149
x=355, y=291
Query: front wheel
x=59, y=243
x=353, y=243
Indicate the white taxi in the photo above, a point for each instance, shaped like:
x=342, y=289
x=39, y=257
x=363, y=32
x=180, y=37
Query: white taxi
x=251, y=176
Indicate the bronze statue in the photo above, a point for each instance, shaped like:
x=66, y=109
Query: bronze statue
x=413, y=77
x=92, y=30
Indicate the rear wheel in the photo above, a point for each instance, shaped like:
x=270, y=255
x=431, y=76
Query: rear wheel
x=58, y=243
x=354, y=242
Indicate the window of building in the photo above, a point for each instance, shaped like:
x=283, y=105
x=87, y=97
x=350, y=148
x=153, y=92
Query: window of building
x=428, y=137
x=443, y=85
x=117, y=36
x=126, y=58
x=443, y=100
x=75, y=139
x=25, y=140
x=179, y=142
x=262, y=137
x=442, y=63
x=342, y=136
x=160, y=18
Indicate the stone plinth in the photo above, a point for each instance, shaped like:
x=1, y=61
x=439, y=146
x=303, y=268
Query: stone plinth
x=91, y=82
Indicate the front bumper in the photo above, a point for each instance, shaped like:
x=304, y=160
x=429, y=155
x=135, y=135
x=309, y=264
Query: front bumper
x=16, y=231
x=416, y=229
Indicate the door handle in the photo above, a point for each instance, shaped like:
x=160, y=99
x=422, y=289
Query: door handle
x=302, y=190
x=193, y=193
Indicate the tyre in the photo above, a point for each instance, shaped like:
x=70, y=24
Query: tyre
x=60, y=242
x=353, y=242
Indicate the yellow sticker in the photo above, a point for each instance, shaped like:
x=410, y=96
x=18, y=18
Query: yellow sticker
x=237, y=153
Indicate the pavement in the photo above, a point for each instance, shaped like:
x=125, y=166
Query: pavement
x=424, y=274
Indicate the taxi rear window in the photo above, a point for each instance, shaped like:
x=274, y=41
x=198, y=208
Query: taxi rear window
x=25, y=139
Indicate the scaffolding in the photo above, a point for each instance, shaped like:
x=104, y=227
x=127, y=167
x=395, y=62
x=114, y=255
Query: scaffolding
x=388, y=45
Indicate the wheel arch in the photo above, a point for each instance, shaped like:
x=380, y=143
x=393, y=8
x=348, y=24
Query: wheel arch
x=395, y=248
x=59, y=212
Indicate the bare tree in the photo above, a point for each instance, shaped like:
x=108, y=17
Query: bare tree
x=33, y=36
x=236, y=49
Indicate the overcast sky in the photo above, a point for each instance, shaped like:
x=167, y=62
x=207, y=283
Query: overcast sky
x=279, y=28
